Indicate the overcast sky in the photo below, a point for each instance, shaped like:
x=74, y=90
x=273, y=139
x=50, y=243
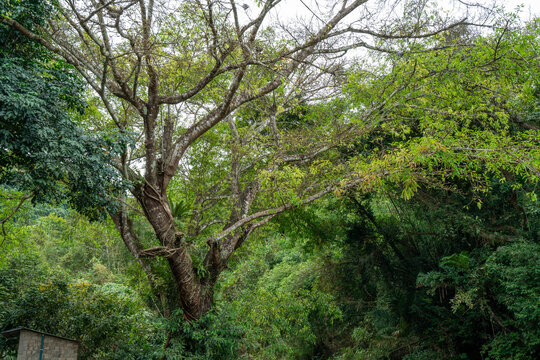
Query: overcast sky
x=530, y=9
x=295, y=8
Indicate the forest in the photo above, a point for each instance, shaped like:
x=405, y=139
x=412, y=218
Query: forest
x=271, y=179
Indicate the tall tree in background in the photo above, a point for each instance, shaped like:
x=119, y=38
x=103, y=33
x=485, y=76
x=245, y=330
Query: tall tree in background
x=226, y=86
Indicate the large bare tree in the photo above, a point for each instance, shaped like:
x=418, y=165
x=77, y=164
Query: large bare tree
x=169, y=72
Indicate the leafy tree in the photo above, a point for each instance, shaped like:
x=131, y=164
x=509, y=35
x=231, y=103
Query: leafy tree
x=203, y=88
x=459, y=113
x=429, y=277
x=43, y=152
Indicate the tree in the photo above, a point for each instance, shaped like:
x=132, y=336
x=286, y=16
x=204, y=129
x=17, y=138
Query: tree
x=462, y=113
x=213, y=87
x=43, y=152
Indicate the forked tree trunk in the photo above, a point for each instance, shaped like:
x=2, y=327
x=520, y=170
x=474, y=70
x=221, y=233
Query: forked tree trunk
x=195, y=294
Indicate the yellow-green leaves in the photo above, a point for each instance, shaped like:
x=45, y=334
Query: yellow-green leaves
x=455, y=114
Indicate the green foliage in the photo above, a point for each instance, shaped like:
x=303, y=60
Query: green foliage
x=42, y=150
x=215, y=336
x=29, y=13
x=66, y=275
x=514, y=271
x=278, y=298
x=404, y=268
x=67, y=241
x=455, y=113
x=503, y=290
x=101, y=317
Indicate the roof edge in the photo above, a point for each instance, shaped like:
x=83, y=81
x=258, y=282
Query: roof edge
x=16, y=332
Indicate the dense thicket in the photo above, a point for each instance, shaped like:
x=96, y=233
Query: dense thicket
x=352, y=278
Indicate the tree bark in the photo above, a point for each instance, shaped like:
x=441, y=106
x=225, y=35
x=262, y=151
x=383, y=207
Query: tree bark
x=193, y=299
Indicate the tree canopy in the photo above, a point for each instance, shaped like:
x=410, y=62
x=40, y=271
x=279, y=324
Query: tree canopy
x=235, y=119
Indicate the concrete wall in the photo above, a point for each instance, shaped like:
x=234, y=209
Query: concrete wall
x=53, y=347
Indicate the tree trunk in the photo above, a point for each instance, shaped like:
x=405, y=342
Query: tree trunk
x=194, y=295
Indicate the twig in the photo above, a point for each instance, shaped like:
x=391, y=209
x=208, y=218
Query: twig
x=10, y=215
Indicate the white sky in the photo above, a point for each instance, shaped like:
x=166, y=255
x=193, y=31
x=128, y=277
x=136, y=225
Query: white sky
x=295, y=8
x=294, y=14
x=530, y=9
